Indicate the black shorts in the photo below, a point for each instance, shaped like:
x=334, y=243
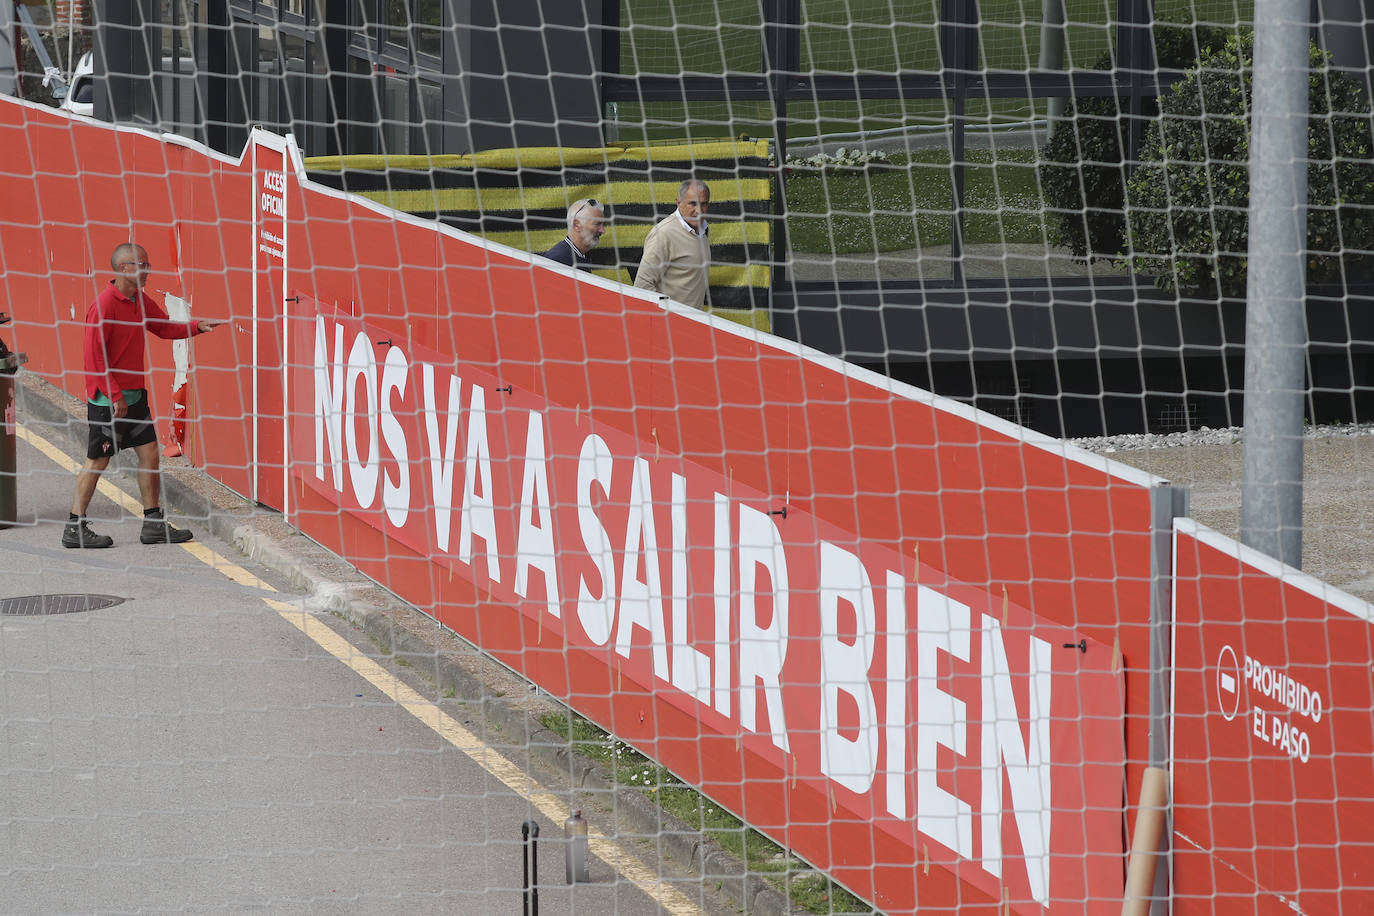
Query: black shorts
x=109, y=435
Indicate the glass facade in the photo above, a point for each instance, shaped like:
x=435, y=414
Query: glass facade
x=387, y=78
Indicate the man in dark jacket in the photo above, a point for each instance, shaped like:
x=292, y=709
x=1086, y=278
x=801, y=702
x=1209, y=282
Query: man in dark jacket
x=586, y=223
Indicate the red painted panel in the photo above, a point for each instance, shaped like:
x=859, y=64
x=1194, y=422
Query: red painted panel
x=1025, y=547
x=563, y=530
x=1273, y=735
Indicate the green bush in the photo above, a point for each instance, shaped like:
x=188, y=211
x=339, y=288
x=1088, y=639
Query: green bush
x=1080, y=170
x=1189, y=200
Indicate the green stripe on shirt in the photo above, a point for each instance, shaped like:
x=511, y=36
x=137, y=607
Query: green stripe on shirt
x=131, y=397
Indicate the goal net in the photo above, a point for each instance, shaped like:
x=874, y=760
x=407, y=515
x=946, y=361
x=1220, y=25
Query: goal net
x=800, y=437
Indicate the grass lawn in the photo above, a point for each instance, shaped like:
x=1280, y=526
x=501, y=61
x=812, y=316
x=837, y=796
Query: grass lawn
x=851, y=36
x=906, y=204
x=631, y=769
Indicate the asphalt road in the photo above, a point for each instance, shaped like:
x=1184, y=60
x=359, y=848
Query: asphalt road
x=214, y=741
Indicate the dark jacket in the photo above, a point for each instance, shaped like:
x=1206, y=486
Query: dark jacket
x=566, y=253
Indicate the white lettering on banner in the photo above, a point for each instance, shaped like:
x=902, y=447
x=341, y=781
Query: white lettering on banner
x=534, y=543
x=762, y=646
x=844, y=669
x=1290, y=739
x=272, y=200
x=641, y=600
x=441, y=454
x=690, y=666
x=395, y=494
x=595, y=611
x=362, y=364
x=895, y=692
x=722, y=589
x=942, y=625
x=1026, y=763
x=479, y=509
x=329, y=393
x=1277, y=685
x=866, y=724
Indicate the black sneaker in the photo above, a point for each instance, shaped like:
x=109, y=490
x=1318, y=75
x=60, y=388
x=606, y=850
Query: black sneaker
x=158, y=531
x=79, y=534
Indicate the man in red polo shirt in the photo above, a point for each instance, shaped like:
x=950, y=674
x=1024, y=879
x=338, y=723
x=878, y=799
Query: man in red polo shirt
x=118, y=396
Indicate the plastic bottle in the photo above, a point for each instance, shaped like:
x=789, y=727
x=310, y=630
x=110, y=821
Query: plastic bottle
x=575, y=853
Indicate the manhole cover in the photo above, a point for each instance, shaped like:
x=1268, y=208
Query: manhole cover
x=36, y=605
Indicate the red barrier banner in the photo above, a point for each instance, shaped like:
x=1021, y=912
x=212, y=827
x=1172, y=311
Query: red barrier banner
x=875, y=710
x=498, y=441
x=271, y=173
x=1273, y=781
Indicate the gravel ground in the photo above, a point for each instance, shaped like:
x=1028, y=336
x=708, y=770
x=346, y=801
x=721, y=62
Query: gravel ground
x=1338, y=490
x=1231, y=435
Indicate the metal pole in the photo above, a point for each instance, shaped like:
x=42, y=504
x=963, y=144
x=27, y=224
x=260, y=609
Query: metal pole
x=529, y=851
x=1052, y=54
x=1166, y=503
x=1275, y=327
x=525, y=869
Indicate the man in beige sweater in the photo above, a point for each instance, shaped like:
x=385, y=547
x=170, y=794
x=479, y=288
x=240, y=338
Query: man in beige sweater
x=677, y=252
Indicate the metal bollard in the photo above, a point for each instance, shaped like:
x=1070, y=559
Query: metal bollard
x=9, y=429
x=529, y=850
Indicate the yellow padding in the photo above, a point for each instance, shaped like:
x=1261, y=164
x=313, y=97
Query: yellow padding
x=443, y=200
x=754, y=318
x=633, y=235
x=740, y=275
x=549, y=157
x=727, y=275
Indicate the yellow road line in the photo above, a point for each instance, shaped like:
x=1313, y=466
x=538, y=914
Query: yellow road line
x=551, y=806
x=122, y=499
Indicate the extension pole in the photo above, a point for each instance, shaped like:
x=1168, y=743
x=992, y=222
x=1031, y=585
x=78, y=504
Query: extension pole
x=1275, y=325
x=1145, y=854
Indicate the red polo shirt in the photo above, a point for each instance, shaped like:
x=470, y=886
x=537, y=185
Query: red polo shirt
x=114, y=340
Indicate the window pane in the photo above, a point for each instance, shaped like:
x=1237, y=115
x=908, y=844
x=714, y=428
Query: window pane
x=432, y=110
x=398, y=23
x=395, y=115
x=427, y=29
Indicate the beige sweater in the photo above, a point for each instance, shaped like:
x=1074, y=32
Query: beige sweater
x=676, y=262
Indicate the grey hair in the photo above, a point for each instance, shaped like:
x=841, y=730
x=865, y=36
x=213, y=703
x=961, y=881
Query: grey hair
x=693, y=183
x=124, y=251
x=576, y=208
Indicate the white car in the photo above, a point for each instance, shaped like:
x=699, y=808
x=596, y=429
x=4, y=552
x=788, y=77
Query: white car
x=81, y=93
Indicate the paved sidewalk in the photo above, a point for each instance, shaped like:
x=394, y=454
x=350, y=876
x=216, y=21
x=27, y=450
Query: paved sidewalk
x=190, y=747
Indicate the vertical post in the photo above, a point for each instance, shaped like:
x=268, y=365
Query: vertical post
x=1135, y=55
x=959, y=56
x=1052, y=55
x=781, y=58
x=529, y=852
x=9, y=52
x=1166, y=504
x=1275, y=327
x=608, y=61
